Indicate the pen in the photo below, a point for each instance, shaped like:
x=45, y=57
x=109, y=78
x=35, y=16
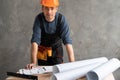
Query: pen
x=44, y=68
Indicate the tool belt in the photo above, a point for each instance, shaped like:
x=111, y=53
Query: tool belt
x=44, y=52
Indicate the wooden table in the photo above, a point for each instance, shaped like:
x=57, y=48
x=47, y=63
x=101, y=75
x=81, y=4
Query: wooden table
x=40, y=77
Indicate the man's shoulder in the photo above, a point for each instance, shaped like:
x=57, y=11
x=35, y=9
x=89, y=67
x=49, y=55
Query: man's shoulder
x=59, y=14
x=39, y=15
x=61, y=17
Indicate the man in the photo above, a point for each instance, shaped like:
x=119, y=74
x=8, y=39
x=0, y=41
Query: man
x=49, y=31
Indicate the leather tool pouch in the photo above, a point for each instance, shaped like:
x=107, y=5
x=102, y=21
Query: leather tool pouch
x=44, y=52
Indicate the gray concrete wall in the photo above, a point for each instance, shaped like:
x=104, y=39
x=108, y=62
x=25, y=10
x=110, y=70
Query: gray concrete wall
x=95, y=30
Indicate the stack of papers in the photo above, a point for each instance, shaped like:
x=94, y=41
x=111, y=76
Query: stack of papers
x=38, y=70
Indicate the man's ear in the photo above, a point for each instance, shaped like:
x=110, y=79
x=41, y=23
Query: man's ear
x=56, y=9
x=42, y=8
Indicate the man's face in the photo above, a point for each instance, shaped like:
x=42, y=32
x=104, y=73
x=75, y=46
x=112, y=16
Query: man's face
x=49, y=13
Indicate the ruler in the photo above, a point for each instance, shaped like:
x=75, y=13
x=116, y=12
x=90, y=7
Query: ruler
x=22, y=75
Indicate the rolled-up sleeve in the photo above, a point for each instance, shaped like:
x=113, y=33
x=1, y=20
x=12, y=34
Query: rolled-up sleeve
x=36, y=32
x=65, y=32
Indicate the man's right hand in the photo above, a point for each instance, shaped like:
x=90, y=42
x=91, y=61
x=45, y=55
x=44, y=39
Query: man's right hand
x=30, y=66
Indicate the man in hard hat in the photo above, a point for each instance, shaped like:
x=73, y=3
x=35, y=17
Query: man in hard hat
x=49, y=31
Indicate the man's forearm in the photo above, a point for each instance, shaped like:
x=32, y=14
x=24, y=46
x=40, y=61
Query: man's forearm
x=34, y=50
x=70, y=52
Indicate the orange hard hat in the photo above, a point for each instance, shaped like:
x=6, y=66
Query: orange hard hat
x=50, y=3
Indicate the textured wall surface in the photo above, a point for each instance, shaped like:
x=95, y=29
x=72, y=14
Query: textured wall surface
x=94, y=24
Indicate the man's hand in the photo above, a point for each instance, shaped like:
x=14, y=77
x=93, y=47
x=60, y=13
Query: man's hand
x=30, y=66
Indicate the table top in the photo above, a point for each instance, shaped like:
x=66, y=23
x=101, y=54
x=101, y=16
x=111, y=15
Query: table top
x=45, y=76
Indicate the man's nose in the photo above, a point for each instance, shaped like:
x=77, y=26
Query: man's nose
x=49, y=10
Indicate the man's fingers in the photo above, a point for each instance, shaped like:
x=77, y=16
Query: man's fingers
x=30, y=66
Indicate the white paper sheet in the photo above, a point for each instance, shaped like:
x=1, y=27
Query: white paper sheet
x=100, y=72
x=75, y=73
x=76, y=64
x=109, y=77
x=37, y=70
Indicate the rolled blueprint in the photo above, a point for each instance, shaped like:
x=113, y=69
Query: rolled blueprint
x=75, y=73
x=109, y=77
x=72, y=65
x=100, y=72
